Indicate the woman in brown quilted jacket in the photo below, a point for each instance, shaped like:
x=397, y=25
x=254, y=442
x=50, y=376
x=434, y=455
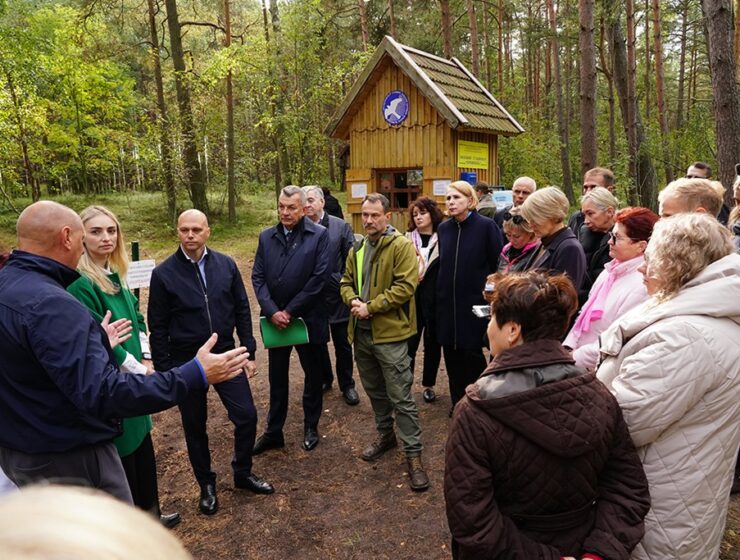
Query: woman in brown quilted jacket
x=539, y=462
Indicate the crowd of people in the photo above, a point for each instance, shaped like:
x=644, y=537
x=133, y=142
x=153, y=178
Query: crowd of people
x=591, y=358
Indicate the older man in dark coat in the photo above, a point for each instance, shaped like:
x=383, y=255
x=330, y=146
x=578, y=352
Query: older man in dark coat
x=341, y=239
x=289, y=274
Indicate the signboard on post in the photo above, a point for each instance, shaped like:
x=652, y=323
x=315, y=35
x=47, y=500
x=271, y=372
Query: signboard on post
x=139, y=274
x=472, y=155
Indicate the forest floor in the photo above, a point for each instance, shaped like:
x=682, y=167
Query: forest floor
x=328, y=504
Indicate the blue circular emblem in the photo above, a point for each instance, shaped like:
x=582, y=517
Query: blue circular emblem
x=395, y=108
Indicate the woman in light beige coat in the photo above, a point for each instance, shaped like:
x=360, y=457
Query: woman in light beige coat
x=672, y=363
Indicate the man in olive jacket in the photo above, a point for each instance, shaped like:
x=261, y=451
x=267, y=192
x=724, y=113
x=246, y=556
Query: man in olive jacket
x=378, y=285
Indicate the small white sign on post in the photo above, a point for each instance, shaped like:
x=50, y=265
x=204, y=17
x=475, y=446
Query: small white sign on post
x=359, y=190
x=439, y=186
x=139, y=274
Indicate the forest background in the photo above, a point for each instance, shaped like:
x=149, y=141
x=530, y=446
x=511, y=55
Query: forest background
x=213, y=104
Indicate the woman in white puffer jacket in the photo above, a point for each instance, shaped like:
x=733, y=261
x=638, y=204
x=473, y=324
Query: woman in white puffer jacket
x=672, y=363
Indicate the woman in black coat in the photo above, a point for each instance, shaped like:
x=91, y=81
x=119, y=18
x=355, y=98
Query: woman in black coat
x=469, y=247
x=560, y=251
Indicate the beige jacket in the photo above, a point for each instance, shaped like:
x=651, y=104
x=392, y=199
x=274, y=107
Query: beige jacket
x=674, y=368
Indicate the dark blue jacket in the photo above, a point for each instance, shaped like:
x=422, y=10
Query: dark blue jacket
x=468, y=253
x=59, y=387
x=341, y=240
x=184, y=311
x=561, y=253
x=292, y=278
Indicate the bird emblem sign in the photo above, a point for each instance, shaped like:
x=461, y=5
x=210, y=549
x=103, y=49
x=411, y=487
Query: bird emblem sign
x=395, y=108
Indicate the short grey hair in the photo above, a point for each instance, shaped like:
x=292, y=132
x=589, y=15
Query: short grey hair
x=308, y=189
x=292, y=190
x=601, y=198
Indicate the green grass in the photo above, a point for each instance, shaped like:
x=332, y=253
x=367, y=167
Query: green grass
x=143, y=219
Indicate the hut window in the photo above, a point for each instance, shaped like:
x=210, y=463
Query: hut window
x=401, y=186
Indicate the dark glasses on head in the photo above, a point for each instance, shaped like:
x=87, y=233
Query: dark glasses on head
x=517, y=220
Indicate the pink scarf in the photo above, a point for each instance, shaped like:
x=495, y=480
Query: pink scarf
x=416, y=240
x=525, y=252
x=593, y=309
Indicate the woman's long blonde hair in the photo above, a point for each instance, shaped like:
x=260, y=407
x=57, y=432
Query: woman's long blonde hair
x=118, y=260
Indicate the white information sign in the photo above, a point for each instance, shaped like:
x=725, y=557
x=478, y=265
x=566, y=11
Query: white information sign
x=503, y=199
x=139, y=274
x=359, y=190
x=439, y=187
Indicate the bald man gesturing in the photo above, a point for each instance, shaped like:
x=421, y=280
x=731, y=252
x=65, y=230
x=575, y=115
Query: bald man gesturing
x=194, y=292
x=61, y=395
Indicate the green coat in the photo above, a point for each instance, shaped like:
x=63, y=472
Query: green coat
x=394, y=276
x=122, y=305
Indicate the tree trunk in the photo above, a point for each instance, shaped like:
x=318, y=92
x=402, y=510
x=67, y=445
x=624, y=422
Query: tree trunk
x=660, y=90
x=500, y=55
x=22, y=138
x=607, y=70
x=193, y=172
x=473, y=24
x=164, y=124
x=682, y=64
x=646, y=74
x=588, y=85
x=392, y=17
x=562, y=124
x=642, y=186
x=230, y=157
x=737, y=40
x=632, y=112
x=282, y=164
x=487, y=50
x=718, y=18
x=363, y=23
x=444, y=8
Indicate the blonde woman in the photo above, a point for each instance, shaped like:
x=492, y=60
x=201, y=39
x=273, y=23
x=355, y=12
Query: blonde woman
x=672, y=365
x=522, y=241
x=469, y=247
x=545, y=211
x=43, y=522
x=101, y=288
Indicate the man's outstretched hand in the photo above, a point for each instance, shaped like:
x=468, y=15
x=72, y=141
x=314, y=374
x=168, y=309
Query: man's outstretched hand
x=118, y=331
x=221, y=367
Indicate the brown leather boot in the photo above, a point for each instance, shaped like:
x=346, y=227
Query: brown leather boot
x=376, y=449
x=417, y=477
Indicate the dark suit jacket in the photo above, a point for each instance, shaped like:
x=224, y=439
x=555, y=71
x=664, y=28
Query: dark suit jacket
x=341, y=240
x=292, y=278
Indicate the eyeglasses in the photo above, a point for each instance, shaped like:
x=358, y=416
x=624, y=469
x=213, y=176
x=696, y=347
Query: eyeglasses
x=516, y=220
x=614, y=238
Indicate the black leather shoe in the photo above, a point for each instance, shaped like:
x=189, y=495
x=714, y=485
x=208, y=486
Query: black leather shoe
x=208, y=503
x=429, y=395
x=170, y=520
x=310, y=439
x=266, y=442
x=254, y=483
x=351, y=397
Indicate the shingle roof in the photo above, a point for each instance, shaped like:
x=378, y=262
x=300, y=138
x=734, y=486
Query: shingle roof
x=458, y=96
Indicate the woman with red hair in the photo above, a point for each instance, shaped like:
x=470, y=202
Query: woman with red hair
x=617, y=289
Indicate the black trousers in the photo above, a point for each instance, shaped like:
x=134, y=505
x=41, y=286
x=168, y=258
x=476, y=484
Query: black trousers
x=464, y=366
x=425, y=327
x=236, y=396
x=141, y=473
x=343, y=355
x=310, y=358
x=97, y=466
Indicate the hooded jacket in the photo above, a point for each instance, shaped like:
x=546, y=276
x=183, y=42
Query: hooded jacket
x=539, y=463
x=674, y=369
x=393, y=279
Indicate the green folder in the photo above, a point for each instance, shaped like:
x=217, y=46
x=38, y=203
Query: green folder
x=294, y=334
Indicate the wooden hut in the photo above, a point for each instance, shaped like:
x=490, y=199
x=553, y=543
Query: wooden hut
x=414, y=123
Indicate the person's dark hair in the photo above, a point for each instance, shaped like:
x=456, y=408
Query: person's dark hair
x=425, y=204
x=607, y=174
x=483, y=187
x=543, y=304
x=638, y=222
x=377, y=197
x=703, y=166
